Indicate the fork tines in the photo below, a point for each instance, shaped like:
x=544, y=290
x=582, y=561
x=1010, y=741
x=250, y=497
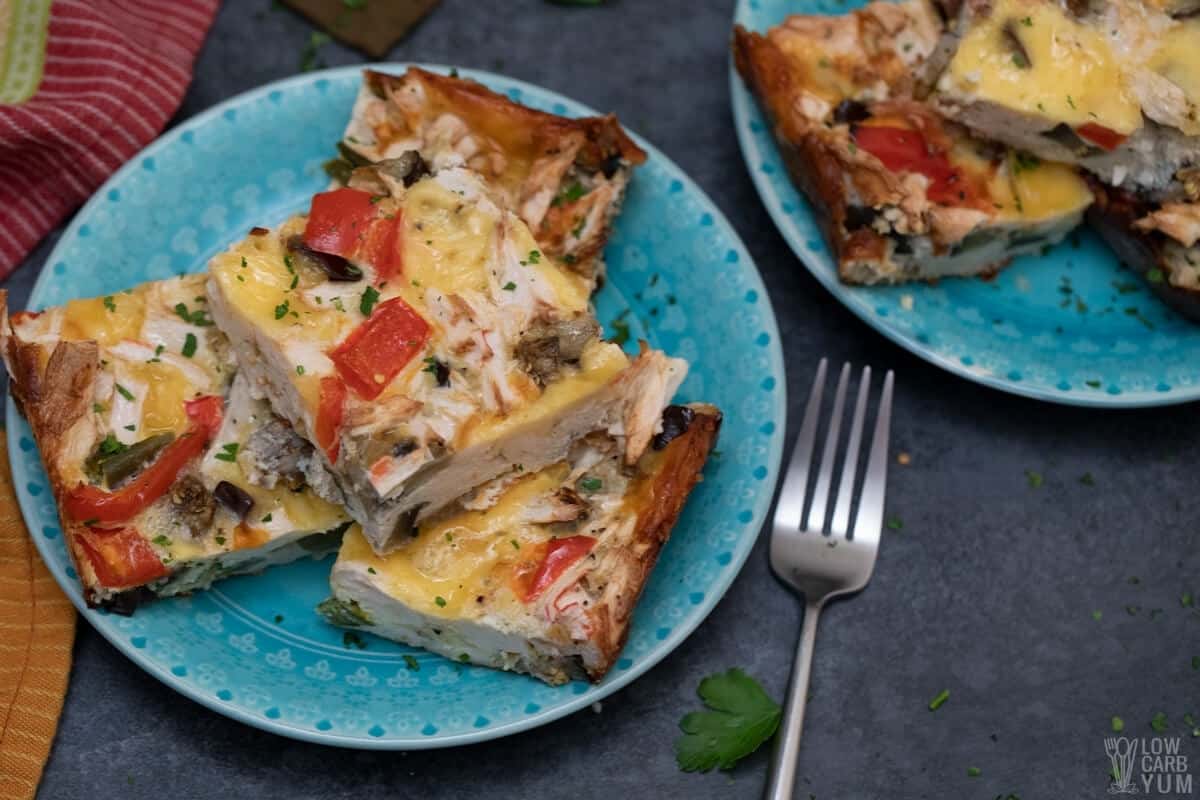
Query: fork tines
x=795, y=495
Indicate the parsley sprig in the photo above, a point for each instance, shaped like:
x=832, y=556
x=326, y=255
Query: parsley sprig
x=740, y=718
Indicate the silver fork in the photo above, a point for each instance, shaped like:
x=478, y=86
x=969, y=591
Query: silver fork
x=817, y=565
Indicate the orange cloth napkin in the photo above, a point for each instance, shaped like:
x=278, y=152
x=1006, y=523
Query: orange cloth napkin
x=37, y=627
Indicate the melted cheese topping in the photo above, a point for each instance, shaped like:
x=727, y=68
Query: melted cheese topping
x=600, y=363
x=447, y=242
x=1072, y=75
x=461, y=557
x=1178, y=58
x=1035, y=191
x=105, y=320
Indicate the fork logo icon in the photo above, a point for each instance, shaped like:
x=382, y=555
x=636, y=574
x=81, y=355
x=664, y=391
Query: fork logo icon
x=1122, y=752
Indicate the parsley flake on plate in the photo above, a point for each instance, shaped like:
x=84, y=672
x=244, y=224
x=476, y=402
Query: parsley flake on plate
x=740, y=717
x=940, y=700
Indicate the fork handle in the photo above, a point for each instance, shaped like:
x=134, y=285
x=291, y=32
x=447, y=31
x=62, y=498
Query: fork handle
x=781, y=776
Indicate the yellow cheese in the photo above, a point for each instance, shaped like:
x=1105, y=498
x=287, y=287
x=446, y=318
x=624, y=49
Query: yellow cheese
x=254, y=277
x=106, y=320
x=1071, y=76
x=457, y=559
x=1178, y=58
x=447, y=241
x=600, y=363
x=165, y=393
x=816, y=71
x=1049, y=190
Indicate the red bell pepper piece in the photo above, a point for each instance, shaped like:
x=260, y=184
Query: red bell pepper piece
x=330, y=408
x=87, y=502
x=903, y=150
x=121, y=557
x=347, y=223
x=1101, y=136
x=555, y=557
x=375, y=352
x=206, y=412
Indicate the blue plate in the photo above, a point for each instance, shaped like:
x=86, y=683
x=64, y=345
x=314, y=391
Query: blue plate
x=252, y=648
x=1069, y=326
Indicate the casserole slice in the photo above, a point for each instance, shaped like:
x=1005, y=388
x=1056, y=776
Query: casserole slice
x=564, y=177
x=420, y=338
x=1110, y=85
x=536, y=573
x=143, y=429
x=900, y=192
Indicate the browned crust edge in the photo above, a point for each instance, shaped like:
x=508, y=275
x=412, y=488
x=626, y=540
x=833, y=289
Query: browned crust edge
x=679, y=471
x=53, y=401
x=1112, y=216
x=604, y=134
x=815, y=168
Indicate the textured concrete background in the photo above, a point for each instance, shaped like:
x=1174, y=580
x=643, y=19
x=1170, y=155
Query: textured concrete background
x=988, y=590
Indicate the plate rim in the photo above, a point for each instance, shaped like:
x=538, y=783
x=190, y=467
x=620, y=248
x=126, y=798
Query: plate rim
x=743, y=104
x=713, y=593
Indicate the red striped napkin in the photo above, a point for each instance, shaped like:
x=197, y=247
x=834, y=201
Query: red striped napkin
x=105, y=76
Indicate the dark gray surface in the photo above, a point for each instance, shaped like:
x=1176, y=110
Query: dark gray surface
x=988, y=590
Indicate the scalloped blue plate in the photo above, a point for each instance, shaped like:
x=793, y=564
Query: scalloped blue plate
x=1068, y=326
x=252, y=648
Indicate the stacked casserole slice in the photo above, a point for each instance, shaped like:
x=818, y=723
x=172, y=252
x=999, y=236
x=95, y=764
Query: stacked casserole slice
x=416, y=353
x=945, y=137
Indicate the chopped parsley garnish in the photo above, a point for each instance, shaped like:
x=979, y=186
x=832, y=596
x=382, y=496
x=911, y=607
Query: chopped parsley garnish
x=535, y=257
x=509, y=287
x=1087, y=480
x=98, y=408
x=1034, y=479
x=570, y=194
x=620, y=332
x=299, y=369
x=244, y=264
x=940, y=700
x=1186, y=600
x=1093, y=384
x=516, y=545
x=189, y=346
x=110, y=446
x=1024, y=162
x=1070, y=102
x=220, y=540
x=1097, y=615
x=1159, y=722
x=1118, y=724
x=229, y=452
x=109, y=303
x=278, y=618
x=198, y=317
x=162, y=541
x=441, y=601
x=308, y=56
x=740, y=717
x=266, y=518
x=352, y=639
x=1027, y=22
x=590, y=484
x=131, y=427
x=281, y=310
x=337, y=303
x=128, y=395
x=577, y=231
x=411, y=663
x=371, y=570
x=370, y=297
x=974, y=772
x=895, y=523
x=1155, y=276
x=463, y=657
